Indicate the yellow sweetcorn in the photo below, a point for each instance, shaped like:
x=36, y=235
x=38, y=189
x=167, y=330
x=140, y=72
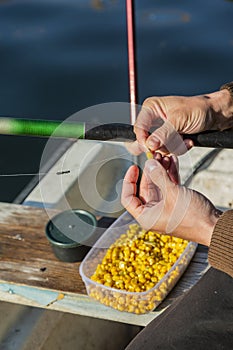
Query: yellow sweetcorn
x=136, y=257
x=136, y=262
x=149, y=155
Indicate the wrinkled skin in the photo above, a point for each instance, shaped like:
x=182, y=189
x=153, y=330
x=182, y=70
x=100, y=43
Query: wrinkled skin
x=179, y=115
x=165, y=206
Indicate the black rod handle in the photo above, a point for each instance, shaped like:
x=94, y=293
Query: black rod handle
x=112, y=131
x=122, y=132
x=214, y=139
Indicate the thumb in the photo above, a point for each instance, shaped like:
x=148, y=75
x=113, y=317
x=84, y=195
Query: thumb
x=158, y=175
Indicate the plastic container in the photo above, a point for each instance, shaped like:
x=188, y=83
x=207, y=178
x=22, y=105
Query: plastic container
x=141, y=302
x=69, y=232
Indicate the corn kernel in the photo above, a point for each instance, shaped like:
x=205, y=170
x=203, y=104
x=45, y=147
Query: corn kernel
x=149, y=155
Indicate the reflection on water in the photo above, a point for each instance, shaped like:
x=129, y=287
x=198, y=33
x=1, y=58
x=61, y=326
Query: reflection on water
x=101, y=4
x=164, y=17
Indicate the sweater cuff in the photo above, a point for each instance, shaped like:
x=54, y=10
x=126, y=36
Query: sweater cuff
x=229, y=87
x=221, y=246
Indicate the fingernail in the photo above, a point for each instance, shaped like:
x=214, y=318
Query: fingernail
x=145, y=148
x=153, y=144
x=151, y=164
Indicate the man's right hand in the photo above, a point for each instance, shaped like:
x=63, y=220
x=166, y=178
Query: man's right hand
x=171, y=116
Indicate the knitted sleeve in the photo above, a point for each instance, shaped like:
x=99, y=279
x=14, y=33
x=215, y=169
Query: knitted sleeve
x=221, y=245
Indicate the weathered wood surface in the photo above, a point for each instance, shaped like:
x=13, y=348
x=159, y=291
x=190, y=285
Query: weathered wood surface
x=31, y=275
x=26, y=256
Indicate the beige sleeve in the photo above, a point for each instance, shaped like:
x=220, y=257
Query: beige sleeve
x=221, y=245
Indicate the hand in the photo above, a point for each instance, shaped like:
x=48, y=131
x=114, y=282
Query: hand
x=173, y=115
x=167, y=207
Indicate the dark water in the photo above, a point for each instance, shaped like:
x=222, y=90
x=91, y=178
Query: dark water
x=60, y=56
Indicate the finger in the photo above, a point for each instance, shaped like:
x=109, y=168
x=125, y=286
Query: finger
x=159, y=176
x=129, y=189
x=134, y=148
x=158, y=156
x=166, y=162
x=189, y=143
x=173, y=170
x=144, y=187
x=170, y=164
x=167, y=138
x=148, y=191
x=141, y=135
x=143, y=124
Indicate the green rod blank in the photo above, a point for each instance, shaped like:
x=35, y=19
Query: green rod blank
x=43, y=128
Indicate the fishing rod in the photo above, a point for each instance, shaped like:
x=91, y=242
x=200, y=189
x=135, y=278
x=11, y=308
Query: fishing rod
x=104, y=132
x=132, y=71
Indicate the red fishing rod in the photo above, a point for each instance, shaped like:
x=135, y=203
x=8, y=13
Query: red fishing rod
x=131, y=59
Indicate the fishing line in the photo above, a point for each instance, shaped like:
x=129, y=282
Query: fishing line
x=34, y=174
x=62, y=172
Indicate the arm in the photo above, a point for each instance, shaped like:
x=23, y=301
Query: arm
x=221, y=246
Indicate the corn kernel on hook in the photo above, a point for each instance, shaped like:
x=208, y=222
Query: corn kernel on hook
x=149, y=155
